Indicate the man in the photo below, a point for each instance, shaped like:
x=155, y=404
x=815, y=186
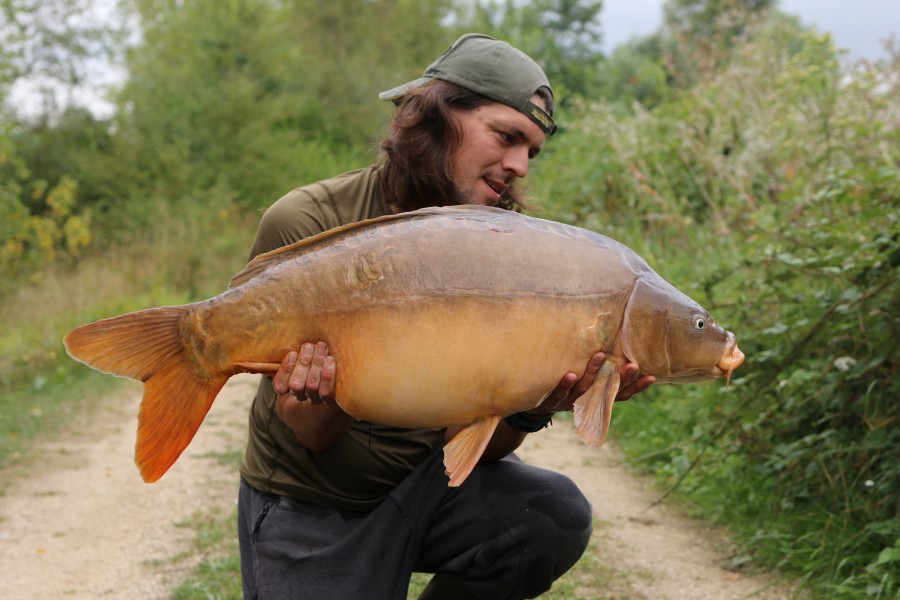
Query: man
x=331, y=507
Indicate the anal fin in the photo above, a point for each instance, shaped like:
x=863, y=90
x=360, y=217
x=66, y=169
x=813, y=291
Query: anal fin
x=462, y=453
x=593, y=410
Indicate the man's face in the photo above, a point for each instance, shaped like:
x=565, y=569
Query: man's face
x=497, y=143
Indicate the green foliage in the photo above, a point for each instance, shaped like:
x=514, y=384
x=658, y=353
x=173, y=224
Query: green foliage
x=41, y=219
x=72, y=144
x=634, y=72
x=700, y=34
x=256, y=97
x=705, y=20
x=696, y=42
x=30, y=241
x=770, y=193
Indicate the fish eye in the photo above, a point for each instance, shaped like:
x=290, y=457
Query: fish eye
x=699, y=323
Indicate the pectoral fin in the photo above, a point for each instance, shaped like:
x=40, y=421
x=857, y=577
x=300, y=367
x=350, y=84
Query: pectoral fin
x=594, y=409
x=461, y=454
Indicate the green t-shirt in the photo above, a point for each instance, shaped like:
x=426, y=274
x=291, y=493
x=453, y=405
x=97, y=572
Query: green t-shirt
x=365, y=464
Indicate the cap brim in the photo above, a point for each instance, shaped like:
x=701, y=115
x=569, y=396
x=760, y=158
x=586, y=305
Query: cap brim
x=401, y=90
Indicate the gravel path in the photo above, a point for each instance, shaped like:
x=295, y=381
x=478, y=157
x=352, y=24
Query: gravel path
x=86, y=526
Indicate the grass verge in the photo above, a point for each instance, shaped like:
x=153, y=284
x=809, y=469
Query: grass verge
x=52, y=400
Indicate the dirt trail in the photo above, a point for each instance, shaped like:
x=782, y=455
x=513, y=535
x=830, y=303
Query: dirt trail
x=657, y=553
x=86, y=526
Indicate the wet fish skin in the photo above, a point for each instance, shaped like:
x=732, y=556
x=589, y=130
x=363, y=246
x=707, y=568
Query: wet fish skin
x=439, y=317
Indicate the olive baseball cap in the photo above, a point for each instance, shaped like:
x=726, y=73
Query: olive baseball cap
x=489, y=67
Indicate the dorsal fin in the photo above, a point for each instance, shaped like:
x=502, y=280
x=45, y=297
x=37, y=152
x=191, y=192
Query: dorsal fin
x=266, y=261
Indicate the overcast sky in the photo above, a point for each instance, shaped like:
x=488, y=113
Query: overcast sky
x=856, y=25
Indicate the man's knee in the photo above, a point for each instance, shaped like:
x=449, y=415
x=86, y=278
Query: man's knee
x=562, y=522
x=552, y=532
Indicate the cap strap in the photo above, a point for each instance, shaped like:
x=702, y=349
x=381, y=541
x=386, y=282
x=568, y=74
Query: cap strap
x=539, y=116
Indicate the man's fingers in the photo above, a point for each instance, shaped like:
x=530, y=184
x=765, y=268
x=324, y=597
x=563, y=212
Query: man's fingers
x=319, y=383
x=590, y=372
x=635, y=388
x=281, y=379
x=326, y=384
x=629, y=373
x=571, y=387
x=308, y=374
x=565, y=386
x=297, y=380
x=643, y=383
x=314, y=374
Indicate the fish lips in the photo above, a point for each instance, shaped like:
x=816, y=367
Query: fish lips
x=731, y=359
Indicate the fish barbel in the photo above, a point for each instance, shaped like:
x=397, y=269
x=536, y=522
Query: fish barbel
x=452, y=316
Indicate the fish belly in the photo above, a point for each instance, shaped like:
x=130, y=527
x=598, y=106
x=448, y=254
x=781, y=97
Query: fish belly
x=452, y=361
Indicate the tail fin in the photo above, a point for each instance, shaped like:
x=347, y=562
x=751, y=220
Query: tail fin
x=146, y=346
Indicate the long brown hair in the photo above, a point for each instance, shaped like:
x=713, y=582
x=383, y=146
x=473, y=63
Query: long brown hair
x=421, y=139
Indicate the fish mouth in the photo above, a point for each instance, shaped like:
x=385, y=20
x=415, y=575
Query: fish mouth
x=731, y=359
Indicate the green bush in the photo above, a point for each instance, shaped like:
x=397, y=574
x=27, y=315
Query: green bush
x=771, y=194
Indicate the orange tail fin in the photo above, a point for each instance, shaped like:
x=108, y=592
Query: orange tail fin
x=146, y=346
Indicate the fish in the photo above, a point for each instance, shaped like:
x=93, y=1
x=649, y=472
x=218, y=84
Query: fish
x=442, y=317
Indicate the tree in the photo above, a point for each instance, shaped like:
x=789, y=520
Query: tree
x=634, y=72
x=47, y=41
x=253, y=97
x=708, y=19
x=699, y=35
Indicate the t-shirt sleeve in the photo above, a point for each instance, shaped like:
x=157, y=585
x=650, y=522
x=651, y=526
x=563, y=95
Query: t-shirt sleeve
x=293, y=217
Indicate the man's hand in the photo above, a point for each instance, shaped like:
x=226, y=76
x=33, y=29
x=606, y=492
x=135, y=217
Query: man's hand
x=572, y=387
x=631, y=382
x=308, y=375
x=305, y=387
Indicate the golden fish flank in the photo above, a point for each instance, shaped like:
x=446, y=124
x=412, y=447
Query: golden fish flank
x=442, y=291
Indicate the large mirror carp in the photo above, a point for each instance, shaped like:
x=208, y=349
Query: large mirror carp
x=439, y=317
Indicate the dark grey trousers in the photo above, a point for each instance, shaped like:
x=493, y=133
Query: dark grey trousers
x=507, y=533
